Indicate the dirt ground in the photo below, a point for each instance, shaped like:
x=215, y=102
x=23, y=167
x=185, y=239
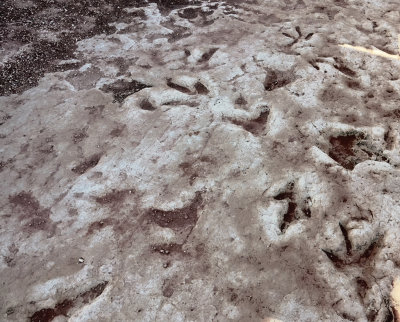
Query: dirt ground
x=177, y=160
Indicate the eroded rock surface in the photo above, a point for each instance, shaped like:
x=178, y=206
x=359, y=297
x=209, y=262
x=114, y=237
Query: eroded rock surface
x=199, y=160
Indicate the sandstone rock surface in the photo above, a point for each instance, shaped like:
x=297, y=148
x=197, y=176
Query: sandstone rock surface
x=199, y=160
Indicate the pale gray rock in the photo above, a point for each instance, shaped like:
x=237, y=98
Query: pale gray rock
x=199, y=160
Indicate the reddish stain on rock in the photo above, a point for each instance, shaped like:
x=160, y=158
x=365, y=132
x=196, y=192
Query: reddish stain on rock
x=201, y=89
x=189, y=171
x=276, y=79
x=255, y=126
x=30, y=209
x=178, y=218
x=122, y=88
x=93, y=293
x=168, y=249
x=46, y=315
x=114, y=197
x=79, y=135
x=207, y=55
x=98, y=225
x=62, y=308
x=117, y=132
x=168, y=288
x=240, y=100
x=340, y=66
x=87, y=164
x=341, y=150
x=177, y=87
x=146, y=105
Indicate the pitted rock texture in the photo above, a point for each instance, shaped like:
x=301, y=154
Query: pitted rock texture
x=199, y=160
